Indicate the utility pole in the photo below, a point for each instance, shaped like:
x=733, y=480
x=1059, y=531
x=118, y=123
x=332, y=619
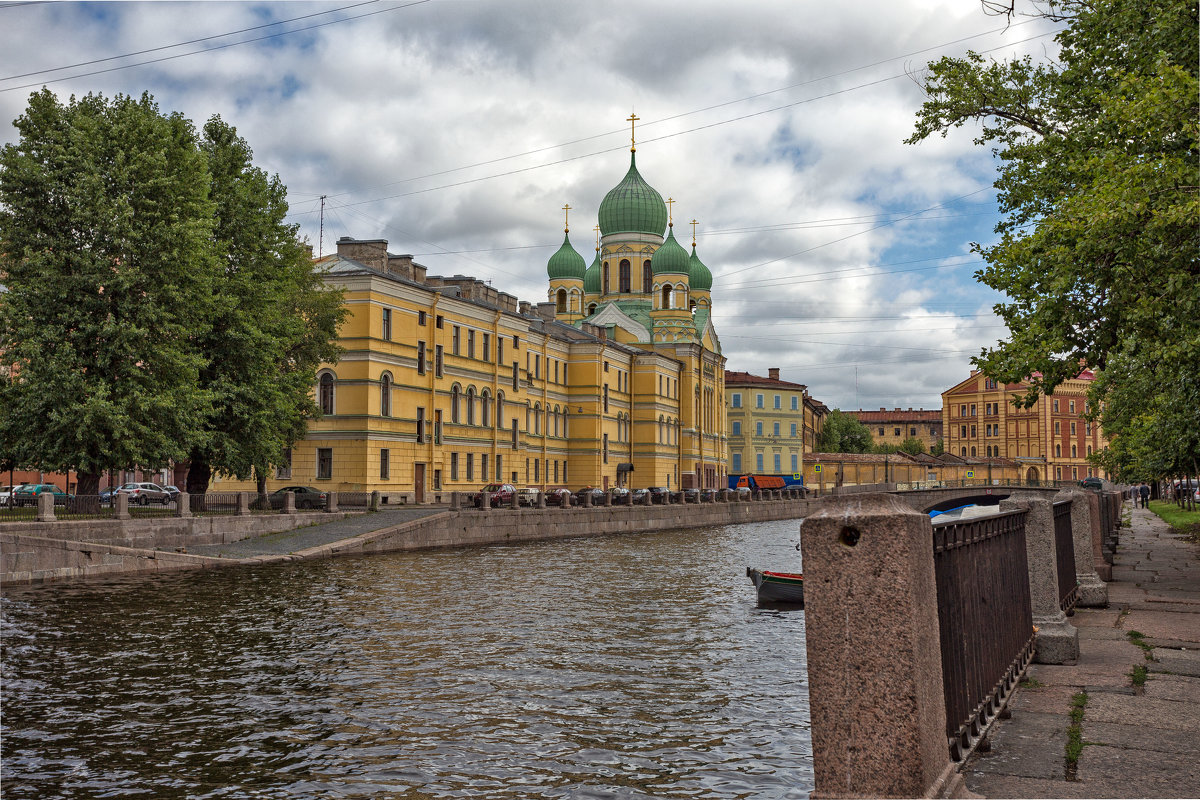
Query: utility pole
x=321, y=235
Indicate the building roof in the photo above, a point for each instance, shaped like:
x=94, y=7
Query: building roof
x=737, y=379
x=566, y=263
x=671, y=258
x=897, y=415
x=699, y=276
x=633, y=206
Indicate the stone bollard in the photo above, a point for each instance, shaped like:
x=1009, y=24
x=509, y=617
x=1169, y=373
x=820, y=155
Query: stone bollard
x=541, y=501
x=515, y=502
x=565, y=502
x=45, y=507
x=648, y=499
x=454, y=501
x=608, y=499
x=289, y=503
x=243, y=506
x=587, y=499
x=873, y=644
x=374, y=506
x=1093, y=592
x=183, y=504
x=1099, y=505
x=1057, y=639
x=331, y=502
x=724, y=495
x=120, y=506
x=758, y=495
x=485, y=501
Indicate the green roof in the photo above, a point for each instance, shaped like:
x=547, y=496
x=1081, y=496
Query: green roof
x=591, y=276
x=670, y=258
x=566, y=263
x=699, y=277
x=633, y=206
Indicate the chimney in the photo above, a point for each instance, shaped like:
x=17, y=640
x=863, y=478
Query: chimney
x=547, y=311
x=773, y=373
x=401, y=265
x=525, y=308
x=369, y=252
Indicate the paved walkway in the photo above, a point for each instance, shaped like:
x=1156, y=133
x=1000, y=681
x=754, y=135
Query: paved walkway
x=314, y=535
x=1137, y=742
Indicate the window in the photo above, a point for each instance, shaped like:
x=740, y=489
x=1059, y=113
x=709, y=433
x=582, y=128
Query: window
x=758, y=429
x=385, y=395
x=420, y=358
x=793, y=430
x=485, y=412
x=516, y=375
x=499, y=466
x=470, y=344
x=1058, y=451
x=324, y=463
x=437, y=427
x=647, y=277
x=387, y=324
x=437, y=479
x=758, y=401
x=421, y=320
x=1057, y=427
x=454, y=405
x=470, y=466
x=895, y=431
x=439, y=322
x=284, y=470
x=736, y=401
x=1072, y=428
x=499, y=350
x=974, y=433
x=516, y=342
x=605, y=451
x=471, y=406
x=454, y=466
x=758, y=460
x=1074, y=451
x=737, y=427
x=778, y=463
x=456, y=340
x=795, y=463
x=623, y=276
x=972, y=409
x=881, y=432
x=972, y=451
x=737, y=462
x=1056, y=405
x=325, y=393
x=437, y=360
x=420, y=425
x=775, y=431
x=778, y=402
x=795, y=403
x=483, y=465
x=962, y=434
x=962, y=411
x=606, y=398
x=385, y=470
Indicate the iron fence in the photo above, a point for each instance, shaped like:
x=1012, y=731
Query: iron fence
x=214, y=503
x=1064, y=553
x=349, y=500
x=985, y=618
x=82, y=506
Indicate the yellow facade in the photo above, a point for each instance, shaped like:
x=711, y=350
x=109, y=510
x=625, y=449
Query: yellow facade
x=894, y=426
x=772, y=424
x=447, y=384
x=1051, y=440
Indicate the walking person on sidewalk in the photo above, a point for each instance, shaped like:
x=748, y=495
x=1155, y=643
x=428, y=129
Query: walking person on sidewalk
x=1144, y=491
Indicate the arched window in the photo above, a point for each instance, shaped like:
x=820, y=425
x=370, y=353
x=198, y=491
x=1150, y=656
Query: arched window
x=666, y=296
x=557, y=416
x=681, y=296
x=454, y=393
x=972, y=452
x=385, y=395
x=485, y=409
x=566, y=429
x=562, y=300
x=471, y=406
x=591, y=309
x=624, y=277
x=500, y=410
x=964, y=451
x=527, y=428
x=604, y=278
x=537, y=418
x=325, y=393
x=661, y=431
x=647, y=277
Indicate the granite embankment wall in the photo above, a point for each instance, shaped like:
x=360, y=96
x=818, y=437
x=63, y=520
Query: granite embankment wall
x=62, y=551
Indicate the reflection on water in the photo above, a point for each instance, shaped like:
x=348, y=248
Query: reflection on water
x=622, y=666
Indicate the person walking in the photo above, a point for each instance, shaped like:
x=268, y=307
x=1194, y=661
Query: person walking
x=1144, y=491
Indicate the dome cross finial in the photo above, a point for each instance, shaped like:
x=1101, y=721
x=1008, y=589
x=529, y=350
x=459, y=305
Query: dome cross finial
x=597, y=230
x=671, y=201
x=632, y=120
x=566, y=218
x=694, y=224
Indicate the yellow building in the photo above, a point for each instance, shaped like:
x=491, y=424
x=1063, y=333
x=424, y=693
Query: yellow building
x=447, y=383
x=894, y=426
x=772, y=423
x=1051, y=440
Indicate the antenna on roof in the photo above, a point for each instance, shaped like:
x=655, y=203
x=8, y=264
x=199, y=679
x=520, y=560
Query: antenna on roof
x=321, y=235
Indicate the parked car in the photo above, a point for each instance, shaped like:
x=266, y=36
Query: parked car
x=597, y=495
x=528, y=496
x=557, y=497
x=306, y=497
x=106, y=496
x=638, y=496
x=27, y=495
x=499, y=494
x=691, y=495
x=658, y=494
x=1092, y=483
x=173, y=491
x=620, y=495
x=708, y=495
x=6, y=494
x=143, y=494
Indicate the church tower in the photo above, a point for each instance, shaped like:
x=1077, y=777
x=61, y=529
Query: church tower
x=566, y=271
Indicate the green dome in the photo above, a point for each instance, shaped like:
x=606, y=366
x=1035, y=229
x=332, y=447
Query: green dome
x=699, y=278
x=633, y=206
x=591, y=277
x=566, y=263
x=670, y=258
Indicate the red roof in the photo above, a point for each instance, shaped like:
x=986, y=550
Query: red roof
x=898, y=415
x=746, y=379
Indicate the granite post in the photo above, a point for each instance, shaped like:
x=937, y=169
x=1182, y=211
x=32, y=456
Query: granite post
x=874, y=655
x=120, y=506
x=485, y=500
x=45, y=507
x=183, y=504
x=1057, y=639
x=243, y=503
x=331, y=501
x=454, y=501
x=1085, y=512
x=289, y=503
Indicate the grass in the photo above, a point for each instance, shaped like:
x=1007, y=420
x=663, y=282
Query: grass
x=1139, y=638
x=1138, y=676
x=1186, y=522
x=1030, y=683
x=1075, y=731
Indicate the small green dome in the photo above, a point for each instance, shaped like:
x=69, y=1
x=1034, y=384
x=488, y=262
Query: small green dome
x=633, y=206
x=566, y=263
x=591, y=277
x=670, y=258
x=699, y=278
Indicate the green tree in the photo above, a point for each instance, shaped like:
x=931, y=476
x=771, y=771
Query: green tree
x=105, y=246
x=274, y=321
x=1099, y=168
x=843, y=433
x=938, y=448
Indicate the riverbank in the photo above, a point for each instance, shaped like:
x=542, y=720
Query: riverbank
x=1124, y=721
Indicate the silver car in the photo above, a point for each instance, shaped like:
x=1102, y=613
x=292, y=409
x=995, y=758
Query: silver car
x=144, y=494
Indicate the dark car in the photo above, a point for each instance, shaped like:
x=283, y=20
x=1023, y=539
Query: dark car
x=27, y=495
x=106, y=496
x=620, y=495
x=558, y=497
x=306, y=497
x=658, y=494
x=691, y=495
x=1092, y=483
x=638, y=496
x=143, y=494
x=173, y=491
x=596, y=494
x=499, y=494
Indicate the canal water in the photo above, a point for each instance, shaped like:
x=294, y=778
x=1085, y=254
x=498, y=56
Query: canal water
x=615, y=667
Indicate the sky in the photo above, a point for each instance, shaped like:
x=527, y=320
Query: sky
x=458, y=129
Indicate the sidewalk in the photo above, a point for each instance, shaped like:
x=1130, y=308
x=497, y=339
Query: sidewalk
x=1137, y=742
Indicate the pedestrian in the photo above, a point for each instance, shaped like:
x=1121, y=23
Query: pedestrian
x=1144, y=491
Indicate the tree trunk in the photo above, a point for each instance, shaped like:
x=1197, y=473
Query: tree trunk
x=87, y=493
x=260, y=482
x=198, y=476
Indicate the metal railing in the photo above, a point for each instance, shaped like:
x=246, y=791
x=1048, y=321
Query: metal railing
x=1064, y=553
x=351, y=500
x=985, y=618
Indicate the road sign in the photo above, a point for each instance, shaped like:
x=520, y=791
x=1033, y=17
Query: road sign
x=816, y=467
x=970, y=473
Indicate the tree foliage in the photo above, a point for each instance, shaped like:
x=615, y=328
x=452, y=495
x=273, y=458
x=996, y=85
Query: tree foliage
x=843, y=433
x=156, y=305
x=1099, y=173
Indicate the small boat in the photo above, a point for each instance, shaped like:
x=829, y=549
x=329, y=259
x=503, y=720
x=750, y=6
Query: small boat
x=777, y=588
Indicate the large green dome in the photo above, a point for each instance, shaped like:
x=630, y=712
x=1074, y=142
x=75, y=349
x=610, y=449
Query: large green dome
x=591, y=277
x=670, y=258
x=699, y=278
x=633, y=206
x=566, y=263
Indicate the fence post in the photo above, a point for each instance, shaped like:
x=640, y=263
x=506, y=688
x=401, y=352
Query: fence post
x=1057, y=639
x=120, y=506
x=289, y=503
x=183, y=505
x=45, y=507
x=331, y=501
x=374, y=501
x=454, y=503
x=874, y=654
x=1085, y=522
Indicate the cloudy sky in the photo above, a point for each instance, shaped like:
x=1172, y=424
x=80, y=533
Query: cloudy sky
x=457, y=130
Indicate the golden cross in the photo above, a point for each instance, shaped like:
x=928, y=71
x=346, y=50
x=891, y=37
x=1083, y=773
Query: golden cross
x=694, y=233
x=597, y=230
x=632, y=120
x=566, y=218
x=670, y=202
